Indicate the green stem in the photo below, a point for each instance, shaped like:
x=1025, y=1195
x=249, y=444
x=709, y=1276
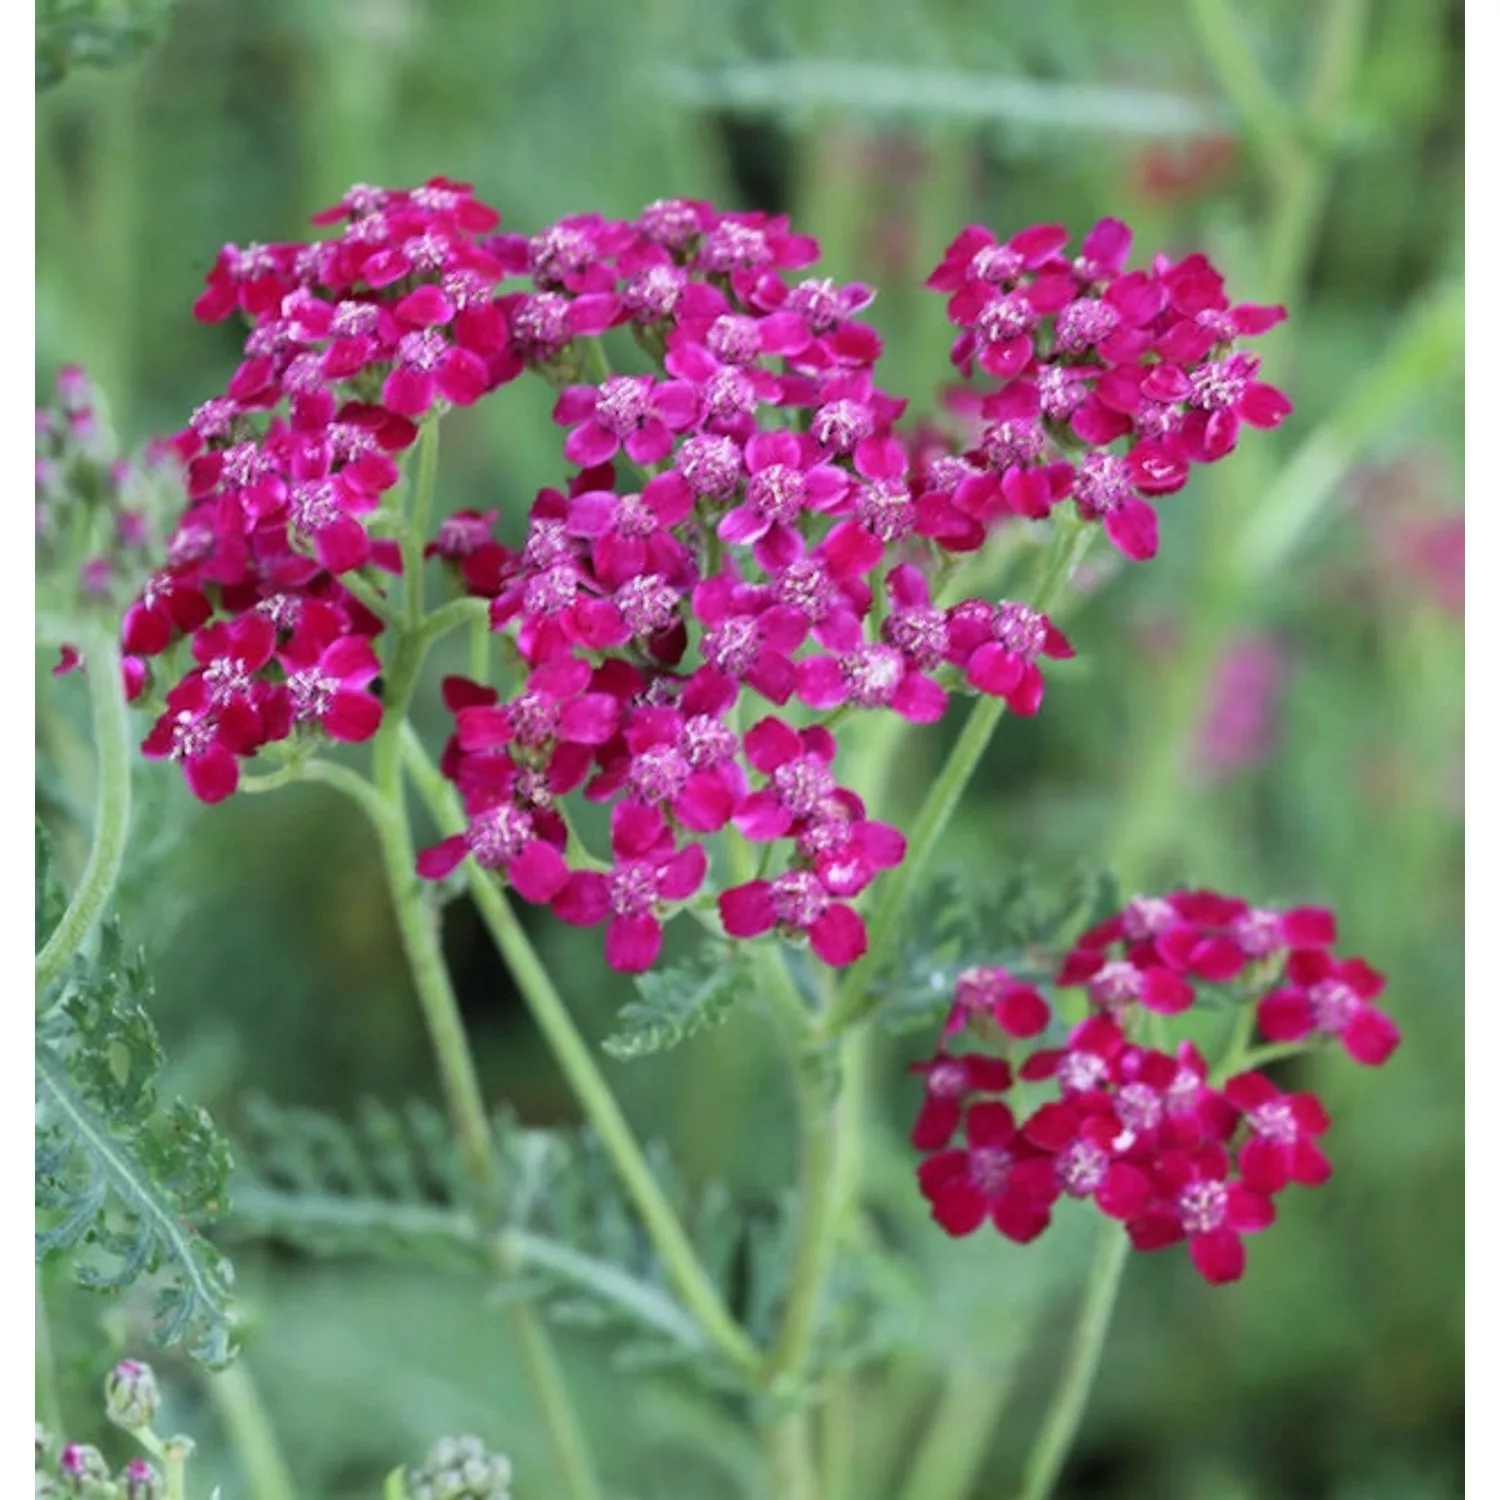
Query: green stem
x=1260, y=1057
x=1059, y=1427
x=175, y=1453
x=569, y=1441
x=831, y=1110
x=452, y=616
x=855, y=999
x=587, y=1082
x=840, y=1434
x=414, y=531
x=957, y=1438
x=49, y=1407
x=251, y=1434
x=793, y=1474
x=1267, y=121
x=112, y=817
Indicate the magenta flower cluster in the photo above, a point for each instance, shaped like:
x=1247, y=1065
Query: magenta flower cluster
x=1114, y=382
x=745, y=522
x=1144, y=1133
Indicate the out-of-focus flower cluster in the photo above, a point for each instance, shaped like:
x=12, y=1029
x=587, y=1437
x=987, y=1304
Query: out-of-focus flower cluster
x=100, y=514
x=1145, y=1134
x=744, y=521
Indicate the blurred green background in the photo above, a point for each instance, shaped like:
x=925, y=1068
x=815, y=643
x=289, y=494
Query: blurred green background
x=1323, y=566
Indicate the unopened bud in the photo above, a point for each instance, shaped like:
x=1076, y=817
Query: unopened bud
x=461, y=1468
x=83, y=1469
x=140, y=1481
x=131, y=1395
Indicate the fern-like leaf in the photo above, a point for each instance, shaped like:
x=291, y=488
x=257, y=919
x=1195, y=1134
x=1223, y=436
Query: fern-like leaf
x=1019, y=927
x=678, y=1002
x=391, y=1185
x=98, y=33
x=123, y=1181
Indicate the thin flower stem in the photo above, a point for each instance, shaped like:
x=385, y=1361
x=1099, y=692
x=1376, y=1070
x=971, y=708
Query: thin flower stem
x=452, y=616
x=693, y=1284
x=414, y=532
x=569, y=1441
x=1050, y=1450
x=174, y=1459
x=953, y=1447
x=855, y=998
x=48, y=1393
x=1260, y=1057
x=251, y=1433
x=1268, y=122
x=111, y=723
x=375, y=602
x=479, y=649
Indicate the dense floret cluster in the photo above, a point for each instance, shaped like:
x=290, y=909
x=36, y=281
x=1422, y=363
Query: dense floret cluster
x=1146, y=1134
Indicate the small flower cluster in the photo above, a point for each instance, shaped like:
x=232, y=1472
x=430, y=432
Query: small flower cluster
x=1145, y=1134
x=459, y=1468
x=1113, y=382
x=99, y=513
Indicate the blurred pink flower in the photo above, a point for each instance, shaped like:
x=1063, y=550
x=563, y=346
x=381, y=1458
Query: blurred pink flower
x=1238, y=727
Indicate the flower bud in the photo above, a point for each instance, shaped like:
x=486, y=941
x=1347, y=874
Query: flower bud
x=461, y=1468
x=83, y=1469
x=131, y=1395
x=140, y=1481
x=43, y=1443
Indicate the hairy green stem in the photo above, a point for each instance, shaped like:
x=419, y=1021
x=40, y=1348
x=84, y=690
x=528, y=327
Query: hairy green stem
x=855, y=998
x=112, y=816
x=1050, y=1450
x=251, y=1433
x=586, y=1081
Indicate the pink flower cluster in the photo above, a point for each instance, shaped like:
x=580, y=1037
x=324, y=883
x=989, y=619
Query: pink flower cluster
x=1143, y=1133
x=743, y=522
x=1112, y=382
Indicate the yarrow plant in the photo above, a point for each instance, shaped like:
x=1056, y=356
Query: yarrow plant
x=749, y=555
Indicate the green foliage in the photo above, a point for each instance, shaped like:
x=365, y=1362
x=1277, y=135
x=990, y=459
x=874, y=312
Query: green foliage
x=1018, y=925
x=50, y=903
x=677, y=1002
x=390, y=1186
x=98, y=33
x=122, y=1180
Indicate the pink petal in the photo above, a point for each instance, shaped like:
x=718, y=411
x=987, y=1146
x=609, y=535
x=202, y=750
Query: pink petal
x=442, y=859
x=632, y=944
x=838, y=936
x=748, y=910
x=352, y=716
x=1219, y=1256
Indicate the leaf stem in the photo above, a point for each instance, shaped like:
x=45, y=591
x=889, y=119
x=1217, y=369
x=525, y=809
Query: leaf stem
x=1050, y=1450
x=112, y=816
